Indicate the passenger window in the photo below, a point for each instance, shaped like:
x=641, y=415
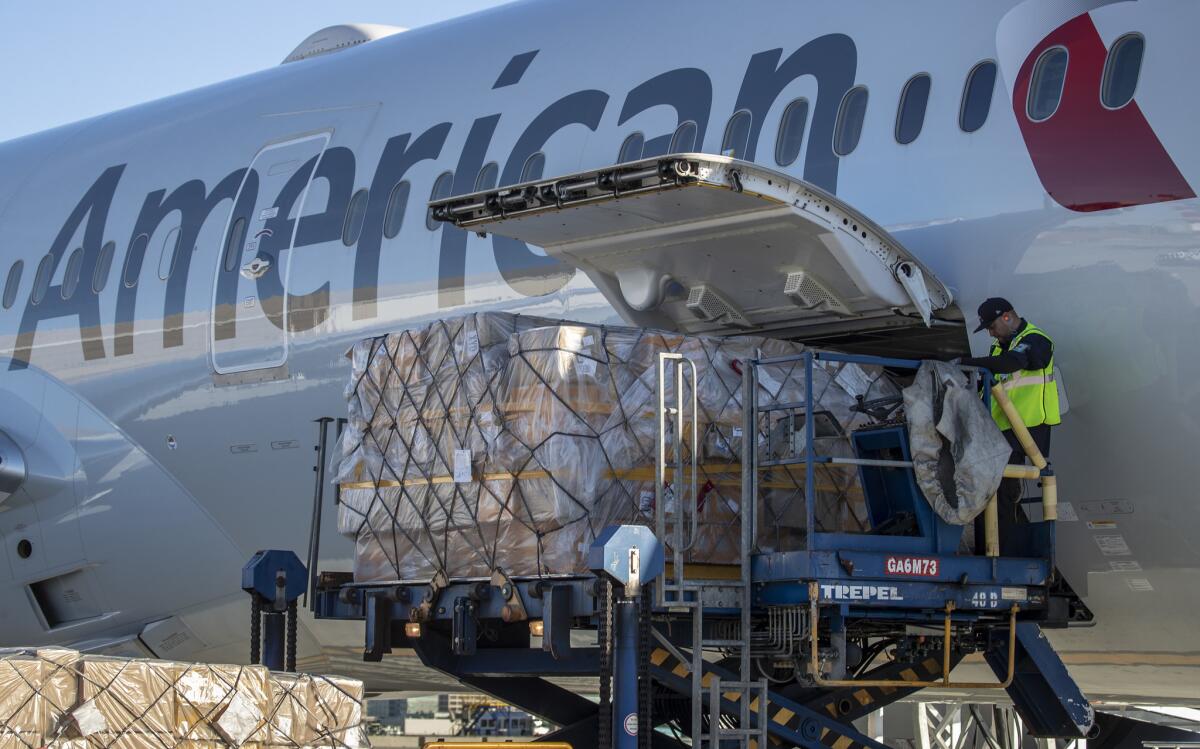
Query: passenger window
x=489, y=175
x=1121, y=71
x=1046, y=84
x=393, y=217
x=41, y=280
x=13, y=283
x=355, y=214
x=910, y=115
x=136, y=248
x=848, y=128
x=534, y=167
x=684, y=139
x=103, y=266
x=441, y=189
x=631, y=149
x=791, y=132
x=170, y=249
x=233, y=244
x=977, y=97
x=71, y=274
x=737, y=135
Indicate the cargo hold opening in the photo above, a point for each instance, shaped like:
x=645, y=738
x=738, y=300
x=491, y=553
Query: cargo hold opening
x=711, y=245
x=944, y=340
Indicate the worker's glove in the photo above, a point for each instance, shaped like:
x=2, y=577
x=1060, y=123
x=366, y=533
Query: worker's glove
x=956, y=361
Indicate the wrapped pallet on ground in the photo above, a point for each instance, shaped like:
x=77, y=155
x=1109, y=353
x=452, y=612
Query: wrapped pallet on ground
x=64, y=699
x=315, y=710
x=38, y=689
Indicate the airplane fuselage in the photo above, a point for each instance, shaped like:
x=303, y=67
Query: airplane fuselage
x=168, y=398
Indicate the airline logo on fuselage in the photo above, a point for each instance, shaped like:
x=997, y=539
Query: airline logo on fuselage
x=831, y=59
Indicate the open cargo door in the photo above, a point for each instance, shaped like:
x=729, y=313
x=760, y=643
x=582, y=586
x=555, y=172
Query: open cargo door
x=703, y=243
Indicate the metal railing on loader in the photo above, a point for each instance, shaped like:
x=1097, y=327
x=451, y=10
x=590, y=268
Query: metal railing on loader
x=838, y=576
x=678, y=419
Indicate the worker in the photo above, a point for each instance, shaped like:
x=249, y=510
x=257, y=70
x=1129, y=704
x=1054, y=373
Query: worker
x=1022, y=362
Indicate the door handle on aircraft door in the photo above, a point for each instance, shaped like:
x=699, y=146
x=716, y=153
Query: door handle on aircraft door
x=256, y=268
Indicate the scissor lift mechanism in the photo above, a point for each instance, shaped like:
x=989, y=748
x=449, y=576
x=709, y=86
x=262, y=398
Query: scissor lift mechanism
x=912, y=595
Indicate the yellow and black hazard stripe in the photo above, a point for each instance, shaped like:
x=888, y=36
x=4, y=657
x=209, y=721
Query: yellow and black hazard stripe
x=852, y=703
x=789, y=721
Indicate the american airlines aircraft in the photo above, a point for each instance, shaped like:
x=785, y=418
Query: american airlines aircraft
x=179, y=281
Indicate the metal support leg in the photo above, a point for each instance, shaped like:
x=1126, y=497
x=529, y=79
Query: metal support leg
x=875, y=725
x=625, y=682
x=273, y=640
x=939, y=725
x=255, y=630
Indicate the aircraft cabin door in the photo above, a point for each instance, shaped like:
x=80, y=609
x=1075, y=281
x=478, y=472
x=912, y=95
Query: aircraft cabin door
x=249, y=311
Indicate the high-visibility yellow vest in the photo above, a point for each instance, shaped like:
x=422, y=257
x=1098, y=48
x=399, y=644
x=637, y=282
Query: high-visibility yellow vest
x=1033, y=391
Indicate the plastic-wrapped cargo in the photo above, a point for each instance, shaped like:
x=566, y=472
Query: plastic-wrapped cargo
x=528, y=496
x=37, y=689
x=423, y=416
x=720, y=430
x=61, y=698
x=542, y=433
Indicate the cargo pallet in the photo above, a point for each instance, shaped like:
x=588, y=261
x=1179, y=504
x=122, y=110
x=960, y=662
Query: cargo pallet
x=690, y=648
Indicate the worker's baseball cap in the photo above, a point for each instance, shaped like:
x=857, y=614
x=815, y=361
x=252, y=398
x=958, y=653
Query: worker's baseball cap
x=990, y=310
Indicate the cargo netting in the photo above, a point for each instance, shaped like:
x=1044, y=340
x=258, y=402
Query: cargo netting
x=497, y=441
x=56, y=697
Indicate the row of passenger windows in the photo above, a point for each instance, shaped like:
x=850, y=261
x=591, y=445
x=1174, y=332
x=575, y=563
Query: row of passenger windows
x=1121, y=71
x=910, y=116
x=71, y=276
x=1122, y=68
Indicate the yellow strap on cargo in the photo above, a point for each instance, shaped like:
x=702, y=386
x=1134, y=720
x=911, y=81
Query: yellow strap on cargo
x=720, y=474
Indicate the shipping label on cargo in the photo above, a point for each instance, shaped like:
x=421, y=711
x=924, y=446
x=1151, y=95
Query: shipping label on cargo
x=861, y=592
x=646, y=501
x=911, y=566
x=462, y=467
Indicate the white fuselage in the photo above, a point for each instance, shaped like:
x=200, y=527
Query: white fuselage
x=165, y=447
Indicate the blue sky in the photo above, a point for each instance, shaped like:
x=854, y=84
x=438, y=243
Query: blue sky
x=67, y=60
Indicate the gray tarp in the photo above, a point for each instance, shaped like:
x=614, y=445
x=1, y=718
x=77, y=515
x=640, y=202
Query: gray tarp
x=958, y=452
